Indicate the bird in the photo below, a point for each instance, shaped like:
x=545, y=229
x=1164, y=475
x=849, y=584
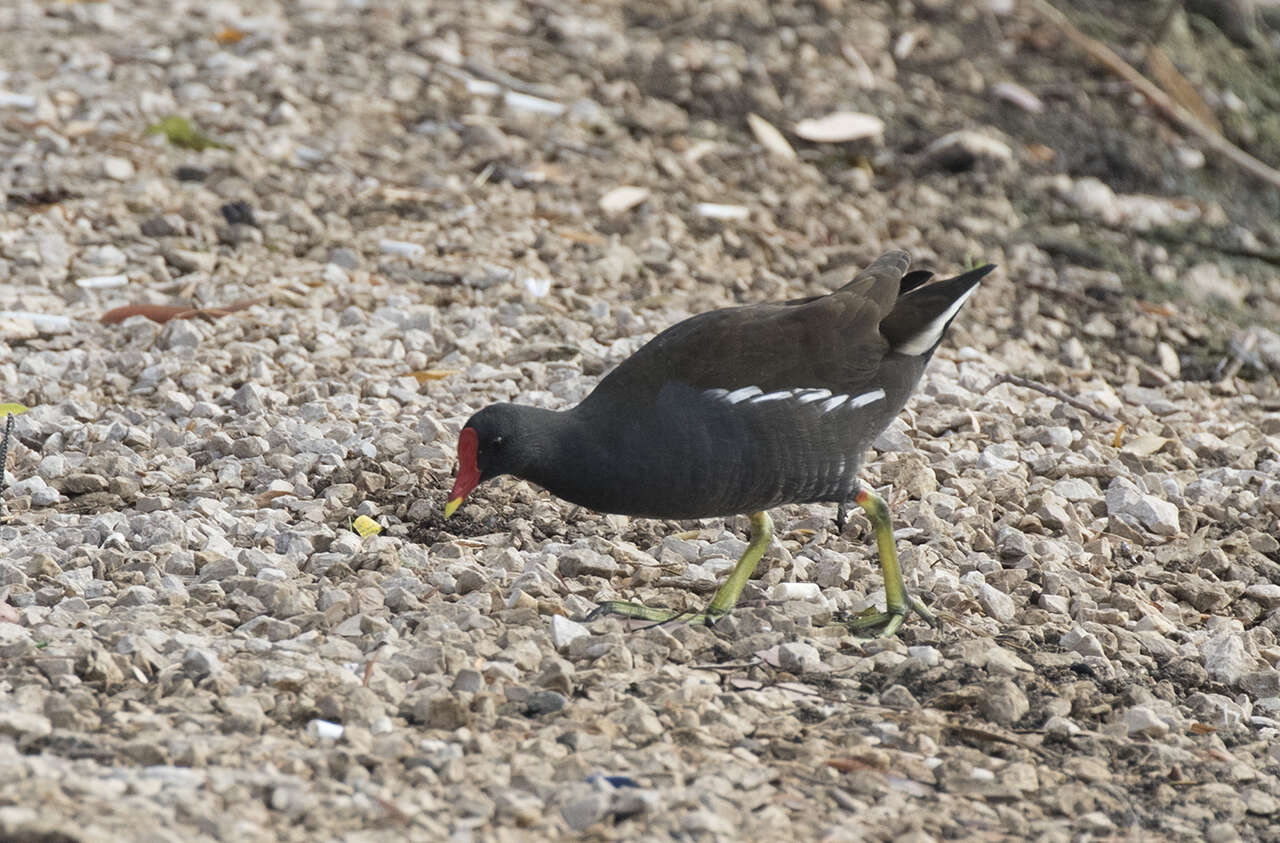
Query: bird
x=738, y=411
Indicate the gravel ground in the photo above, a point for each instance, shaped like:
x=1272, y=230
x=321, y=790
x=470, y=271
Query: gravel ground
x=421, y=212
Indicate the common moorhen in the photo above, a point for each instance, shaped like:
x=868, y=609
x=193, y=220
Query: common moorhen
x=737, y=411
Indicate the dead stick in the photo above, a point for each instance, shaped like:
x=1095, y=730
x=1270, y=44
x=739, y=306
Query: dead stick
x=1230, y=367
x=1107, y=57
x=1026, y=383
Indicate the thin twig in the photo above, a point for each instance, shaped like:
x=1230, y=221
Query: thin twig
x=1071, y=295
x=1175, y=238
x=1027, y=383
x=1240, y=352
x=1108, y=58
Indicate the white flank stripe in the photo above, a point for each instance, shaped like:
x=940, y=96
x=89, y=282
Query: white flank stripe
x=929, y=334
x=742, y=394
x=716, y=394
x=866, y=398
x=808, y=396
x=772, y=396
x=832, y=402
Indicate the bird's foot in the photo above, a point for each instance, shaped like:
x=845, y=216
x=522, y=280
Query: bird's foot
x=877, y=624
x=726, y=596
x=640, y=612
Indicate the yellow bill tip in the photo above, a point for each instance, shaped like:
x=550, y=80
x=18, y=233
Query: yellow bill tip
x=452, y=506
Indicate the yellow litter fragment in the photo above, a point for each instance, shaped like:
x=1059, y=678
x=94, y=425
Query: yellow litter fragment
x=424, y=375
x=366, y=526
x=12, y=409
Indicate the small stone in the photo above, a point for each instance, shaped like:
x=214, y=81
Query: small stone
x=807, y=591
x=1260, y=802
x=1143, y=721
x=243, y=714
x=1096, y=822
x=1261, y=684
x=798, y=657
x=164, y=225
x=468, y=681
x=564, y=632
x=136, y=595
x=24, y=724
x=442, y=711
x=1020, y=776
x=1079, y=640
x=545, y=702
x=929, y=656
x=324, y=729
x=577, y=561
x=84, y=484
x=1060, y=727
x=582, y=813
x=996, y=603
x=249, y=398
x=1169, y=362
x=1003, y=702
x=1158, y=516
x=1075, y=490
x=120, y=169
x=1224, y=656
x=1266, y=594
x=1055, y=603
x=199, y=663
x=897, y=696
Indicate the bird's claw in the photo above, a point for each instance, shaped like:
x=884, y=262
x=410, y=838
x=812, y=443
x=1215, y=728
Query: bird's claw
x=640, y=612
x=886, y=624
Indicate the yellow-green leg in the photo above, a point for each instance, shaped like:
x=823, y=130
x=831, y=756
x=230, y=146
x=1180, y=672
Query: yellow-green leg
x=898, y=604
x=727, y=595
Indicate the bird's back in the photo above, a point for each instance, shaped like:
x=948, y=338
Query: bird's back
x=747, y=408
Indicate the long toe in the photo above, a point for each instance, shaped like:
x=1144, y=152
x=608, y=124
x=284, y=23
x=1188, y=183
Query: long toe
x=886, y=624
x=638, y=611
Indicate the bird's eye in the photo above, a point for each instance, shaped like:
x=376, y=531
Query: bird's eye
x=497, y=441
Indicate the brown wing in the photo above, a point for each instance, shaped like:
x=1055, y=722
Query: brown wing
x=829, y=342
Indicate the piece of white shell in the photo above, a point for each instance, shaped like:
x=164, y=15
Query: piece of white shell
x=770, y=138
x=102, y=282
x=840, y=127
x=722, y=212
x=623, y=198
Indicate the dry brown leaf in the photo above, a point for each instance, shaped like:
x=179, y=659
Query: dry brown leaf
x=230, y=35
x=164, y=312
x=1156, y=309
x=584, y=237
x=851, y=765
x=1118, y=440
x=270, y=495
x=1041, y=153
x=1201, y=729
x=425, y=375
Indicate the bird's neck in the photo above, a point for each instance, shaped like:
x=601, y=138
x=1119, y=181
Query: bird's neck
x=566, y=453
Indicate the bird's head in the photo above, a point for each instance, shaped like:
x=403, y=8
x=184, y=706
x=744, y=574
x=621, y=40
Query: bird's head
x=492, y=443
